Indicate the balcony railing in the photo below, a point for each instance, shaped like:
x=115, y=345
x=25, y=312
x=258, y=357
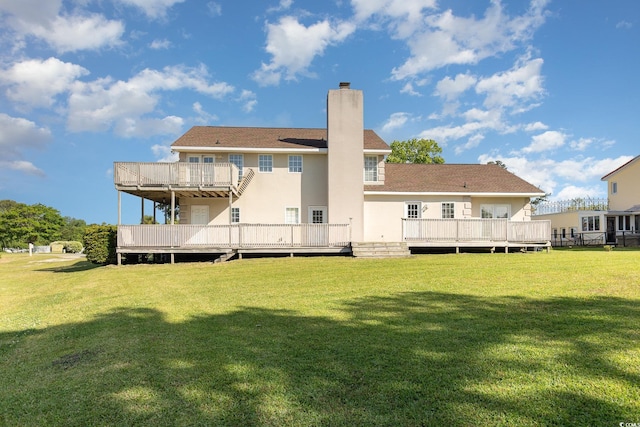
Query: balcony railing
x=475, y=230
x=233, y=236
x=177, y=174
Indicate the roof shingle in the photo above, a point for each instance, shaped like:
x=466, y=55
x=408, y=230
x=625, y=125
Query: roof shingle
x=452, y=178
x=258, y=137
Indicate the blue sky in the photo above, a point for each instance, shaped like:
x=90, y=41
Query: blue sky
x=550, y=88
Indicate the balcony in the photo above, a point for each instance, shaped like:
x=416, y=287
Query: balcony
x=155, y=181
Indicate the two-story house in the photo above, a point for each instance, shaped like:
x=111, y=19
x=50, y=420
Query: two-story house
x=243, y=189
x=623, y=216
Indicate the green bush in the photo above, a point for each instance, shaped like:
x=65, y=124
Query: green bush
x=100, y=243
x=69, y=246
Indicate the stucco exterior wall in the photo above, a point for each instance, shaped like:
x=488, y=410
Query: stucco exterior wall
x=269, y=193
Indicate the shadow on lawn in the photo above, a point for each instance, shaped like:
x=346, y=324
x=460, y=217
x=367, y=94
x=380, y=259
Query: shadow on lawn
x=409, y=359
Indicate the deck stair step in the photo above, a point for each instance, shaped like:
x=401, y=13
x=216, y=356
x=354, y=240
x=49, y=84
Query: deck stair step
x=380, y=250
x=226, y=256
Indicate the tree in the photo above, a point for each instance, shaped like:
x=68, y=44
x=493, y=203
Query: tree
x=21, y=224
x=415, y=151
x=497, y=162
x=73, y=229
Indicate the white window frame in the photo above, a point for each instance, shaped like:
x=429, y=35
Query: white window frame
x=492, y=209
x=614, y=188
x=238, y=160
x=590, y=223
x=450, y=208
x=624, y=222
x=235, y=215
x=408, y=210
x=193, y=159
x=265, y=163
x=289, y=218
x=322, y=209
x=295, y=163
x=371, y=168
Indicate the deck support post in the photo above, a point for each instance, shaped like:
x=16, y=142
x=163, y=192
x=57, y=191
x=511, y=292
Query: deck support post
x=119, y=207
x=119, y=258
x=173, y=207
x=141, y=210
x=173, y=258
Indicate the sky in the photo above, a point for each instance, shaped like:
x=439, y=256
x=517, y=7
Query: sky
x=548, y=87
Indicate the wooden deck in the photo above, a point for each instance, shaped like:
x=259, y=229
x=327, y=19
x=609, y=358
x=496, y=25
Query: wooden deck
x=326, y=238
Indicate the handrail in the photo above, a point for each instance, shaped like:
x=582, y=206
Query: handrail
x=181, y=174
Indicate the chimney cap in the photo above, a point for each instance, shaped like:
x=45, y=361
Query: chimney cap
x=345, y=85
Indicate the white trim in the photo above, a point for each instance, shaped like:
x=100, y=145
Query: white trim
x=297, y=208
x=317, y=208
x=249, y=150
x=376, y=151
x=443, y=193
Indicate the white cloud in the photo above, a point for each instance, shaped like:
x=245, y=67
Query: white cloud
x=214, y=8
x=122, y=105
x=160, y=44
x=536, y=126
x=37, y=82
x=152, y=8
x=204, y=117
x=446, y=39
x=248, y=98
x=164, y=154
x=17, y=135
x=581, y=144
x=624, y=25
x=450, y=89
x=403, y=17
x=472, y=142
x=293, y=46
x=283, y=5
x=547, y=141
x=395, y=121
x=520, y=84
x=63, y=32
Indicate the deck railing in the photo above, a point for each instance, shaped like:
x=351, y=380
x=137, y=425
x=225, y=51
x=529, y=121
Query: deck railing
x=233, y=236
x=475, y=230
x=178, y=174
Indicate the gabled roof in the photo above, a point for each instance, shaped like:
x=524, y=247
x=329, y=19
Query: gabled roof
x=453, y=178
x=607, y=176
x=224, y=137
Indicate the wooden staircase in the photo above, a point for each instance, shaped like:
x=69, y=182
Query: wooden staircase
x=380, y=250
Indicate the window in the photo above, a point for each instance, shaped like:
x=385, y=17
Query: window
x=412, y=210
x=494, y=211
x=624, y=222
x=193, y=159
x=564, y=233
x=591, y=223
x=614, y=187
x=235, y=215
x=292, y=216
x=295, y=164
x=317, y=214
x=448, y=210
x=208, y=160
x=555, y=233
x=637, y=223
x=265, y=163
x=371, y=168
x=238, y=160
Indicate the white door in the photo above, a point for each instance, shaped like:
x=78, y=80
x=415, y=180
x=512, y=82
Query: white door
x=199, y=216
x=317, y=233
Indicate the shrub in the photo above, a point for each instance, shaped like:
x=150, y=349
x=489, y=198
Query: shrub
x=69, y=246
x=100, y=243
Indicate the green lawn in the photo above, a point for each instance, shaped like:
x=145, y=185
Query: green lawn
x=471, y=339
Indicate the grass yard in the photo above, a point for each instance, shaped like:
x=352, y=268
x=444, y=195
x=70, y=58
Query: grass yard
x=471, y=339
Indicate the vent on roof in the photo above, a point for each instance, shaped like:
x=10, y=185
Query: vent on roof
x=345, y=85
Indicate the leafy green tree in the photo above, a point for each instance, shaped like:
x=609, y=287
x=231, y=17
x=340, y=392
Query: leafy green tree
x=73, y=229
x=498, y=162
x=21, y=224
x=415, y=151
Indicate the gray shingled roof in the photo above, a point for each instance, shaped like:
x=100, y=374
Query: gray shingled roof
x=452, y=178
x=257, y=137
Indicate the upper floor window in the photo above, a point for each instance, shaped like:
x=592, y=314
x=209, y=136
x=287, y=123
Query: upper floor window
x=448, y=210
x=295, y=163
x=194, y=159
x=265, y=163
x=238, y=160
x=494, y=211
x=412, y=210
x=614, y=187
x=208, y=159
x=371, y=168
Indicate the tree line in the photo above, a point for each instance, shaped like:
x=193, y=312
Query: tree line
x=21, y=224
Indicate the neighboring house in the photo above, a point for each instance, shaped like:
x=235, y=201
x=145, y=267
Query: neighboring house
x=243, y=189
x=623, y=216
x=615, y=220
